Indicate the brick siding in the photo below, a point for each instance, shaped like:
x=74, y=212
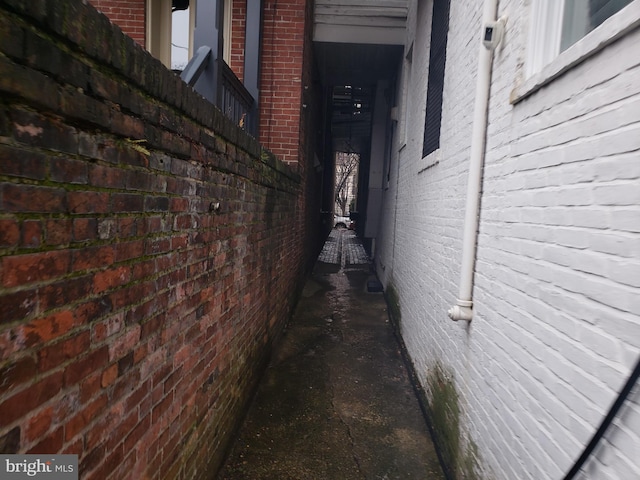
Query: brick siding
x=238, y=27
x=281, y=80
x=135, y=315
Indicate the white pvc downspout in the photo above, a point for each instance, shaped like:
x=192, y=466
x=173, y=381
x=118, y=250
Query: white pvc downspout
x=463, y=310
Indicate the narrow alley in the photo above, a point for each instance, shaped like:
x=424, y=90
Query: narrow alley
x=336, y=401
x=177, y=304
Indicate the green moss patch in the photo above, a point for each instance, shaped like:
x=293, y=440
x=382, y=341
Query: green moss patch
x=460, y=460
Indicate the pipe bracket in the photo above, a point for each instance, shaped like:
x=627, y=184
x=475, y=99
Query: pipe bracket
x=462, y=311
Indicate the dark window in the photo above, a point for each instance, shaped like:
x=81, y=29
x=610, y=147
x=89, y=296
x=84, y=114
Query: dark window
x=437, y=57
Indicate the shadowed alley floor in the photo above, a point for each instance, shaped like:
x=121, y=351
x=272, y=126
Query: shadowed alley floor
x=336, y=402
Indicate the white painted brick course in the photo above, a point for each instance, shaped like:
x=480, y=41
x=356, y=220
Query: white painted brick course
x=556, y=326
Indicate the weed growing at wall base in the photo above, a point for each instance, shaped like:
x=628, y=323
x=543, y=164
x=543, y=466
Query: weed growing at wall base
x=50, y=467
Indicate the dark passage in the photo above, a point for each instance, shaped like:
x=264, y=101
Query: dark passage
x=336, y=401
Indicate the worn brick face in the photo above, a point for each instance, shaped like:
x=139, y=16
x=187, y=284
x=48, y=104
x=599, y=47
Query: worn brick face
x=125, y=299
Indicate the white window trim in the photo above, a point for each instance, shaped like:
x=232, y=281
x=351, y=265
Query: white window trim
x=429, y=161
x=545, y=17
x=192, y=25
x=226, y=31
x=158, y=41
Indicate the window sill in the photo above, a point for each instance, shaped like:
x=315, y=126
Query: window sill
x=429, y=161
x=611, y=30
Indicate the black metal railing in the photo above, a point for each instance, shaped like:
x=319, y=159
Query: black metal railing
x=196, y=66
x=235, y=100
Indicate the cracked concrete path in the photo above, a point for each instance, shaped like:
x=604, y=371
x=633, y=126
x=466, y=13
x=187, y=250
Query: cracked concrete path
x=336, y=402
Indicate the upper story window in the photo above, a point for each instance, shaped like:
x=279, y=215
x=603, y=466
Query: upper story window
x=435, y=80
x=170, y=27
x=558, y=24
x=182, y=26
x=581, y=17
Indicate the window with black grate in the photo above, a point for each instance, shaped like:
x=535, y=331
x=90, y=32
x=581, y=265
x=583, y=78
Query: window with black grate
x=435, y=85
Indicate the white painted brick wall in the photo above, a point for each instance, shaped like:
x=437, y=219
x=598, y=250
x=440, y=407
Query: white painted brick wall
x=556, y=327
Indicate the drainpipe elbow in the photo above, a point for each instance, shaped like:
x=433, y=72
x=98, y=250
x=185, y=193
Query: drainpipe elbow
x=462, y=311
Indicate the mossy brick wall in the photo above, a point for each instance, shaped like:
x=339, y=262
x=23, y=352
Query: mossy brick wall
x=149, y=252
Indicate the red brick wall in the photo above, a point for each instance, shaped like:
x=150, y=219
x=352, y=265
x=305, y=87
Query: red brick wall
x=129, y=15
x=238, y=26
x=135, y=315
x=281, y=79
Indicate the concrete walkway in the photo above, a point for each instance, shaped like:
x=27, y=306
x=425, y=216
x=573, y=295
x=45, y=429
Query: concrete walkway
x=336, y=402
